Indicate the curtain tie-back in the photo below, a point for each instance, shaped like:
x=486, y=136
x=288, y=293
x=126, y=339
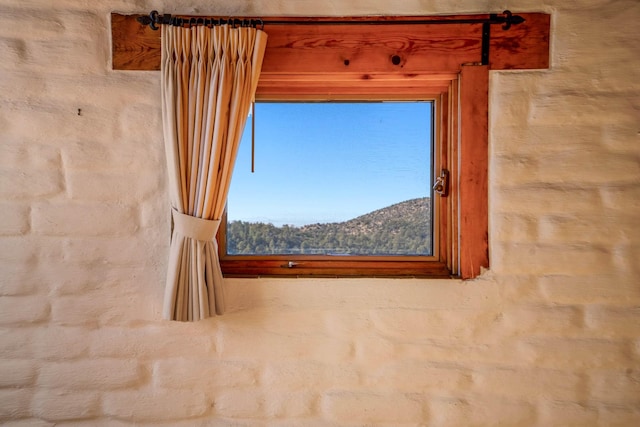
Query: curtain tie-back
x=194, y=227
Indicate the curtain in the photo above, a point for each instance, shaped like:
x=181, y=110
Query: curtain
x=209, y=79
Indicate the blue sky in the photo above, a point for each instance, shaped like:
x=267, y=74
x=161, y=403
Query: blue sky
x=326, y=162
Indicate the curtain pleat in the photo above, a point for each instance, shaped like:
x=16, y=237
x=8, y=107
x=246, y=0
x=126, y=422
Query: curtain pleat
x=209, y=78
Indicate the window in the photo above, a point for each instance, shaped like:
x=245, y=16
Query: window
x=388, y=58
x=334, y=178
x=256, y=238
x=342, y=188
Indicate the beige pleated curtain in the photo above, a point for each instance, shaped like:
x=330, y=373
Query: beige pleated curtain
x=209, y=79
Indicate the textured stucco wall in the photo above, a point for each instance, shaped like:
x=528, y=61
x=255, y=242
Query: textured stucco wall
x=549, y=336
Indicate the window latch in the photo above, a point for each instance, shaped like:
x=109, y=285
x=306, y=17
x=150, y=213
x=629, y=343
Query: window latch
x=290, y=264
x=441, y=185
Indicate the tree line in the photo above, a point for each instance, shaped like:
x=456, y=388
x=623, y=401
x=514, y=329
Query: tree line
x=401, y=229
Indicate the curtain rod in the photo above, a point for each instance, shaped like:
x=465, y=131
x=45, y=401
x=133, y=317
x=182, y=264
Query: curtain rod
x=154, y=19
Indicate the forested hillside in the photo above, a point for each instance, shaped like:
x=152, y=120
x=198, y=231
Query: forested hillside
x=400, y=229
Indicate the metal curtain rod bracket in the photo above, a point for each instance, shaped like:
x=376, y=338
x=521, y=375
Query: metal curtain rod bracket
x=154, y=19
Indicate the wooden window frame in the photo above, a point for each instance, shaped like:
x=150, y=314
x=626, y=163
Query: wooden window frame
x=437, y=265
x=358, y=59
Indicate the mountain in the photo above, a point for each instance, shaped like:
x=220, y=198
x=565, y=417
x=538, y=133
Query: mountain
x=394, y=219
x=400, y=229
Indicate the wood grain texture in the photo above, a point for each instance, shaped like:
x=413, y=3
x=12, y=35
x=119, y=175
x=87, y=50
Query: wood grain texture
x=522, y=47
x=333, y=268
x=134, y=46
x=362, y=49
x=450, y=149
x=328, y=86
x=473, y=191
x=370, y=49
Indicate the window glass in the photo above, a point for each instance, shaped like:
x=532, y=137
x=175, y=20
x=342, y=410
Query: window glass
x=334, y=178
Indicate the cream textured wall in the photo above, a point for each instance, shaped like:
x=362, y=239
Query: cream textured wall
x=549, y=337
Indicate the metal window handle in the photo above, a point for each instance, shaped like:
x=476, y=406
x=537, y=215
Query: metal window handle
x=441, y=185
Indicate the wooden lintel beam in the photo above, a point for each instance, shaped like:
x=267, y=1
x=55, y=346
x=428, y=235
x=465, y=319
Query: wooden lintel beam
x=364, y=48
